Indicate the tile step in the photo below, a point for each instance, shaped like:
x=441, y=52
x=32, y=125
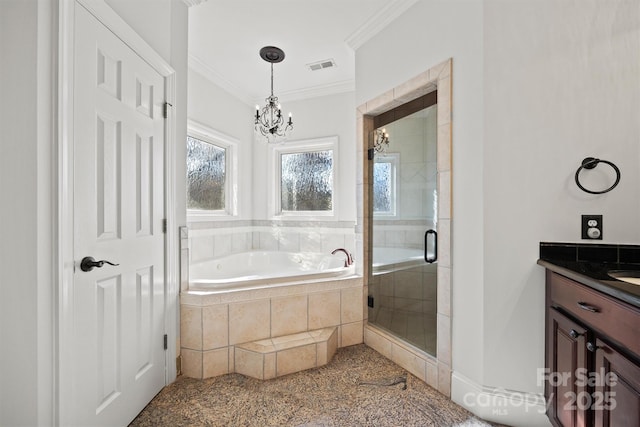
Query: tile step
x=278, y=356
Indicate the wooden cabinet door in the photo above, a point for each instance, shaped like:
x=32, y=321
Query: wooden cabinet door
x=616, y=401
x=567, y=358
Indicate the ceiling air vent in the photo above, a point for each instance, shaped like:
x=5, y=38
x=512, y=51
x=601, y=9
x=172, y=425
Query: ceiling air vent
x=326, y=63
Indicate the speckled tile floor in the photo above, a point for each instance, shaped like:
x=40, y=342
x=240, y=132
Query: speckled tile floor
x=359, y=387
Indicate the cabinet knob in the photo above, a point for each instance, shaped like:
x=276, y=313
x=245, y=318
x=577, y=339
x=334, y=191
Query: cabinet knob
x=574, y=334
x=592, y=347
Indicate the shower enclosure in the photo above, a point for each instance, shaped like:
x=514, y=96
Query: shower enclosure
x=403, y=278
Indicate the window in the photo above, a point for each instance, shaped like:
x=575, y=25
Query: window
x=209, y=173
x=305, y=178
x=206, y=175
x=385, y=184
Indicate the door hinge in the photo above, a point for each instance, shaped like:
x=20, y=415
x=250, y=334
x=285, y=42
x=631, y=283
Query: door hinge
x=165, y=109
x=370, y=153
x=164, y=225
x=370, y=301
x=166, y=342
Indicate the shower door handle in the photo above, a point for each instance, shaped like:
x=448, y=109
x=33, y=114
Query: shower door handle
x=435, y=246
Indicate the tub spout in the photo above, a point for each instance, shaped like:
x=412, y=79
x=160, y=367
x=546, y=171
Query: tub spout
x=349, y=258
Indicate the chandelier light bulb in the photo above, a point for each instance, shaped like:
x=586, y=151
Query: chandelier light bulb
x=381, y=141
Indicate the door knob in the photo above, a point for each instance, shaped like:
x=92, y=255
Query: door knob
x=88, y=263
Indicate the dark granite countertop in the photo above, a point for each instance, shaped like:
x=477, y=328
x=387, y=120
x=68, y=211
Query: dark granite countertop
x=589, y=264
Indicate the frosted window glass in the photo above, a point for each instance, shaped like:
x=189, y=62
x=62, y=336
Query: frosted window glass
x=382, y=187
x=307, y=181
x=206, y=175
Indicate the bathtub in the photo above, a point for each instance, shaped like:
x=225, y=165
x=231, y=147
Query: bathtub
x=257, y=269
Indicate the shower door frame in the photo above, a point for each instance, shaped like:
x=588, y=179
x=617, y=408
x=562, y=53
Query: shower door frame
x=435, y=371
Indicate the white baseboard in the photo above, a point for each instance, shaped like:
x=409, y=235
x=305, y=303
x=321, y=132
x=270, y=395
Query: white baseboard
x=508, y=407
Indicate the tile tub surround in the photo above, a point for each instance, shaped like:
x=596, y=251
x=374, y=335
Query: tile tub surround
x=212, y=324
x=215, y=239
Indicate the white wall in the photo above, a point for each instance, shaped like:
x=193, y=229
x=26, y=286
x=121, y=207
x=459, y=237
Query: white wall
x=21, y=232
x=427, y=34
x=562, y=82
x=210, y=105
x=537, y=86
x=314, y=118
x=28, y=33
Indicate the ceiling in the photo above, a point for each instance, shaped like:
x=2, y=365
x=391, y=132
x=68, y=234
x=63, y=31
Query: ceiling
x=225, y=37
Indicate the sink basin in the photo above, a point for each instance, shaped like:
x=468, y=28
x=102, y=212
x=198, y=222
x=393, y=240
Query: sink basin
x=629, y=276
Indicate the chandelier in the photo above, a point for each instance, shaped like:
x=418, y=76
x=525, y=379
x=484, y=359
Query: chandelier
x=268, y=120
x=381, y=141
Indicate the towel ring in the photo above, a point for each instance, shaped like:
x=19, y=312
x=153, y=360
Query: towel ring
x=590, y=163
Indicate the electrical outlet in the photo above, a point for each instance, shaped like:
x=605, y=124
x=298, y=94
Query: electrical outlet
x=592, y=227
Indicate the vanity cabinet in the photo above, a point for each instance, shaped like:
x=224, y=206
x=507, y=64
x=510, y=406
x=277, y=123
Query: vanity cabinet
x=592, y=356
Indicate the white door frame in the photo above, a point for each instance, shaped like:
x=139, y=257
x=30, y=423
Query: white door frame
x=63, y=314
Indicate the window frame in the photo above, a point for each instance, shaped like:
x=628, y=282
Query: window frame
x=394, y=160
x=230, y=145
x=275, y=172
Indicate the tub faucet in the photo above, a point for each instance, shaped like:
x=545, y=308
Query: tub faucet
x=349, y=260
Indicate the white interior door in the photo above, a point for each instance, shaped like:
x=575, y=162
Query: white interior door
x=118, y=311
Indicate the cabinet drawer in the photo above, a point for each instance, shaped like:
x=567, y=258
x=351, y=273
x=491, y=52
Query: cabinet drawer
x=618, y=320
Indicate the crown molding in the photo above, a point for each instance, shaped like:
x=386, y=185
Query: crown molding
x=378, y=22
x=199, y=66
x=190, y=3
x=317, y=91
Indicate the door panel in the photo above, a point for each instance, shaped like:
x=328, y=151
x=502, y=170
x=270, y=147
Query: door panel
x=617, y=393
x=118, y=310
x=567, y=354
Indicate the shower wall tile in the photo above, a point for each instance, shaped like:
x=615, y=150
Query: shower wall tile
x=432, y=374
x=241, y=242
x=310, y=241
x=201, y=248
x=331, y=242
x=222, y=245
x=409, y=361
x=289, y=242
x=378, y=342
x=444, y=291
x=268, y=241
x=444, y=243
x=444, y=338
x=444, y=207
x=444, y=379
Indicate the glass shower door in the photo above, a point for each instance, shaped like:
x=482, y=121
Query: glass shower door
x=403, y=281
